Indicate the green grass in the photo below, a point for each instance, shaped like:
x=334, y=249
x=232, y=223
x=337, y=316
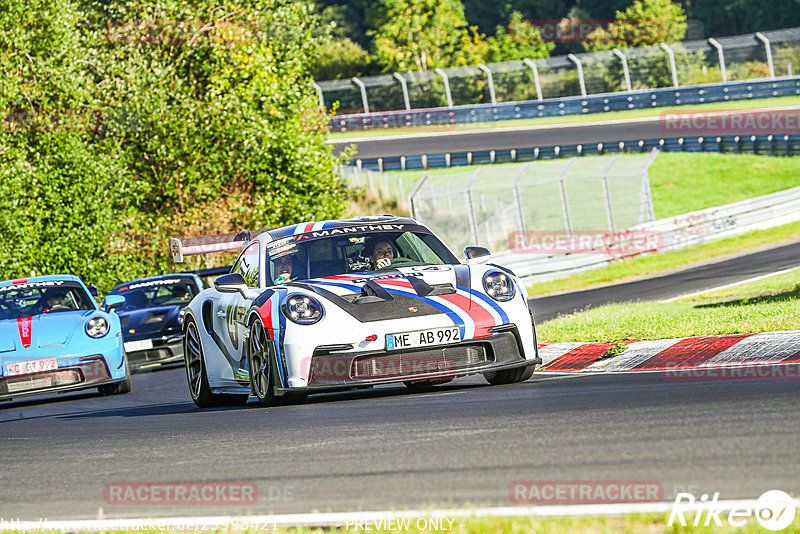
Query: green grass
x=654, y=263
x=683, y=182
x=762, y=306
x=569, y=119
x=767, y=286
x=649, y=523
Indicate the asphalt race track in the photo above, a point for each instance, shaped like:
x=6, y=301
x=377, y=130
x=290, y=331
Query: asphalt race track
x=500, y=138
x=459, y=444
x=678, y=283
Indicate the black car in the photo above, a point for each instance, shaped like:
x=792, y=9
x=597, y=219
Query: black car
x=152, y=317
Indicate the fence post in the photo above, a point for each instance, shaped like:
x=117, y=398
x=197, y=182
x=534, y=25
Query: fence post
x=319, y=93
x=607, y=194
x=768, y=48
x=672, y=66
x=579, y=65
x=403, y=200
x=490, y=81
x=535, y=70
x=404, y=85
x=518, y=201
x=625, y=71
x=413, y=194
x=447, y=93
x=363, y=89
x=563, y=189
x=713, y=42
x=646, y=204
x=473, y=223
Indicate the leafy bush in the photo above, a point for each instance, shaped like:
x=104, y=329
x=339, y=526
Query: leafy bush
x=206, y=123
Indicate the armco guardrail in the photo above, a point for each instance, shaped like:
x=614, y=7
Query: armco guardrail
x=693, y=228
x=773, y=145
x=575, y=105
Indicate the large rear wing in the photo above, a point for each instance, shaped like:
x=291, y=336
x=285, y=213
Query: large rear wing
x=179, y=248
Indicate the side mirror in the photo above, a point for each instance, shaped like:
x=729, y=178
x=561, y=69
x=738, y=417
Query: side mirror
x=231, y=283
x=476, y=252
x=112, y=302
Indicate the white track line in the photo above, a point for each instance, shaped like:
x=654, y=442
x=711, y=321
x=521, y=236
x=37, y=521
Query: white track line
x=345, y=519
x=726, y=286
x=656, y=118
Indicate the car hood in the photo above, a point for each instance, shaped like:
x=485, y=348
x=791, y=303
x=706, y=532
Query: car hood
x=148, y=322
x=422, y=281
x=398, y=293
x=45, y=330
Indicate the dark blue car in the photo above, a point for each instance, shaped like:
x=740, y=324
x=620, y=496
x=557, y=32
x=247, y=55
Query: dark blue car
x=152, y=317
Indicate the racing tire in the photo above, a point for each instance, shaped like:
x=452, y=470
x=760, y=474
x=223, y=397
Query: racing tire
x=196, y=375
x=119, y=388
x=509, y=376
x=259, y=363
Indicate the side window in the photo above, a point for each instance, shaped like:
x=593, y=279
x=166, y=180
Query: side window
x=247, y=265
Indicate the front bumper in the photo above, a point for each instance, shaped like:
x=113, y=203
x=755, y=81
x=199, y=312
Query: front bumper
x=86, y=374
x=164, y=351
x=333, y=370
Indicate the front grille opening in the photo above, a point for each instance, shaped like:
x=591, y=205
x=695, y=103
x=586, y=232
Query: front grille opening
x=420, y=363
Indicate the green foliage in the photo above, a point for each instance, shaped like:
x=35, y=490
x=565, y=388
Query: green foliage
x=207, y=124
x=424, y=34
x=643, y=23
x=341, y=58
x=519, y=40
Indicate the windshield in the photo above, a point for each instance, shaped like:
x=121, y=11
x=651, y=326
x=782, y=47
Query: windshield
x=155, y=293
x=315, y=255
x=36, y=298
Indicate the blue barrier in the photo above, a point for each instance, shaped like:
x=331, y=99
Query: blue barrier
x=773, y=145
x=574, y=105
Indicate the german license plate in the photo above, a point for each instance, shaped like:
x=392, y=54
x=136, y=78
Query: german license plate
x=133, y=346
x=423, y=338
x=30, y=367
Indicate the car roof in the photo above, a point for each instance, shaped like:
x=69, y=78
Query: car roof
x=157, y=277
x=45, y=278
x=277, y=233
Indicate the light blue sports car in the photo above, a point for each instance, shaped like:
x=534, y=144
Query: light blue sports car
x=54, y=337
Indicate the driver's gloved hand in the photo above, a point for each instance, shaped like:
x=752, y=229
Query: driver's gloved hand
x=382, y=263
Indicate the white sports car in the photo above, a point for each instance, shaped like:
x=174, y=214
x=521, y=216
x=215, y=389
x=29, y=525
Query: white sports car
x=346, y=303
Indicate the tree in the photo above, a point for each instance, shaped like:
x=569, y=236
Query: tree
x=206, y=123
x=424, y=34
x=646, y=22
x=519, y=40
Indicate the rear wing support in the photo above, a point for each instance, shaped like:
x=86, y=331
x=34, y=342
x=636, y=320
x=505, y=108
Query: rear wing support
x=193, y=246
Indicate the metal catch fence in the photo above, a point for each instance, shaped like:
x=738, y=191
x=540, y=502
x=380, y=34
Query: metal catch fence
x=742, y=57
x=497, y=207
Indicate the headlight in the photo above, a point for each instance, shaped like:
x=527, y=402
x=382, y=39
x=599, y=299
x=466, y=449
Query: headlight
x=181, y=315
x=97, y=327
x=498, y=285
x=302, y=309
